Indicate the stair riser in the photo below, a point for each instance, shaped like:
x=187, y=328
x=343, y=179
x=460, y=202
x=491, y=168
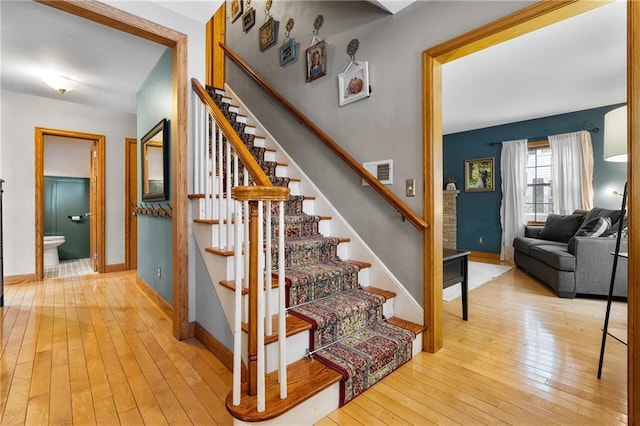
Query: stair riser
x=199, y=208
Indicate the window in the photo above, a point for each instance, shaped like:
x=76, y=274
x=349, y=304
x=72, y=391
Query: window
x=539, y=201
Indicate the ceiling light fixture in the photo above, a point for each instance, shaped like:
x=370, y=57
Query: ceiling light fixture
x=59, y=83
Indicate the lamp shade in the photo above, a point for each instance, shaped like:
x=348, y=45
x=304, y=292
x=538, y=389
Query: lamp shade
x=615, y=135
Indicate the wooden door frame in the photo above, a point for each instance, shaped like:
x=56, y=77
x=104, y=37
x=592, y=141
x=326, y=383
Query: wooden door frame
x=524, y=21
x=115, y=18
x=96, y=216
x=127, y=198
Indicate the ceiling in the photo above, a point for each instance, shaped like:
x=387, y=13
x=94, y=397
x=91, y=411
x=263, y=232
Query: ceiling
x=576, y=64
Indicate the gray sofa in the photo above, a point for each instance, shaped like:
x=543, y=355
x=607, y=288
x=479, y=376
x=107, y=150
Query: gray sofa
x=579, y=266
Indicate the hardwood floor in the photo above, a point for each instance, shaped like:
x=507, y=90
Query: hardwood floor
x=95, y=350
x=525, y=357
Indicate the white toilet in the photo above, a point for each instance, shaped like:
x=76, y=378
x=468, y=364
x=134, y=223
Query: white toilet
x=51, y=244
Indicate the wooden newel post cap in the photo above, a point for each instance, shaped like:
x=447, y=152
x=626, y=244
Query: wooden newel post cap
x=260, y=193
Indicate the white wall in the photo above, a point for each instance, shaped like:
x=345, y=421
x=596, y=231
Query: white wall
x=67, y=156
x=20, y=115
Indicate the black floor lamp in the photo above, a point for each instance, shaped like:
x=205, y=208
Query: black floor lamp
x=615, y=149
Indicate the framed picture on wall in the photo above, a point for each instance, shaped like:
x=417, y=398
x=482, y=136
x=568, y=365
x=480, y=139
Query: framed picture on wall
x=248, y=19
x=316, y=61
x=268, y=34
x=353, y=84
x=288, y=52
x=236, y=10
x=479, y=175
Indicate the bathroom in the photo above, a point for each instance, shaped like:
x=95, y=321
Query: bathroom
x=67, y=177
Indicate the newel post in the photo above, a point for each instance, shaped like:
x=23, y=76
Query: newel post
x=254, y=194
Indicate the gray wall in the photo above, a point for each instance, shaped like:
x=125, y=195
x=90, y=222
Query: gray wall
x=388, y=125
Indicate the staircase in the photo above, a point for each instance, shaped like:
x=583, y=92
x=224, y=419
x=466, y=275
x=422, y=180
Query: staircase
x=342, y=333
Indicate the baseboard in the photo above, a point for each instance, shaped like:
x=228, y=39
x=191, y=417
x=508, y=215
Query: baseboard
x=214, y=346
x=152, y=294
x=19, y=279
x=118, y=267
x=484, y=256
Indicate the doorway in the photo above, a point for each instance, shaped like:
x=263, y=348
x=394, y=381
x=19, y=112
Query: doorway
x=522, y=22
x=130, y=200
x=95, y=214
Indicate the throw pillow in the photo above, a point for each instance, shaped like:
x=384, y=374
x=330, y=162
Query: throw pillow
x=594, y=228
x=560, y=227
x=596, y=212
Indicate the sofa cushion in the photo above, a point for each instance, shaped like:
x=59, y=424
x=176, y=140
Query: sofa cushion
x=555, y=256
x=561, y=227
x=524, y=244
x=594, y=228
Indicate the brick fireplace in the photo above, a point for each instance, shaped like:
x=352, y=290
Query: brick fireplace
x=449, y=216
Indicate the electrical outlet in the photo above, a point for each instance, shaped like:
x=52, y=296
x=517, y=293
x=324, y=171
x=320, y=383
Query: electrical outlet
x=159, y=272
x=481, y=240
x=411, y=188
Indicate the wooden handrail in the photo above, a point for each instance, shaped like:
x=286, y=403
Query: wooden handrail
x=241, y=150
x=389, y=196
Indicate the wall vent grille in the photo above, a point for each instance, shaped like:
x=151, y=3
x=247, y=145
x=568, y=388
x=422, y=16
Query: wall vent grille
x=381, y=170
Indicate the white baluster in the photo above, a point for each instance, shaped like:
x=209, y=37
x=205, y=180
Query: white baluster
x=196, y=152
x=220, y=189
x=260, y=380
x=267, y=269
x=282, y=312
x=228, y=199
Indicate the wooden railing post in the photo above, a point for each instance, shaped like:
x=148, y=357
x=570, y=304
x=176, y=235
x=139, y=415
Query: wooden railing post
x=254, y=246
x=253, y=194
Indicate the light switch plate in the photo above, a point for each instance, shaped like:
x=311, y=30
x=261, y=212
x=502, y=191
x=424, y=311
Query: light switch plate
x=411, y=188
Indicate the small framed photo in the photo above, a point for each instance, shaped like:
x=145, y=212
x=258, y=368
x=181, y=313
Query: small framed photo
x=236, y=10
x=479, y=175
x=248, y=19
x=353, y=84
x=288, y=52
x=316, y=61
x=268, y=34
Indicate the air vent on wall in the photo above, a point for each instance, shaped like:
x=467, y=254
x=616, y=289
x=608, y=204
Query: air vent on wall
x=381, y=170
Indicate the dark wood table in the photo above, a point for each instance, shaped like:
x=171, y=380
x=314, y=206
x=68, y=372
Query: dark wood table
x=455, y=269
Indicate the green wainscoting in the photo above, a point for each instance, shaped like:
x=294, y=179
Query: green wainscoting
x=65, y=197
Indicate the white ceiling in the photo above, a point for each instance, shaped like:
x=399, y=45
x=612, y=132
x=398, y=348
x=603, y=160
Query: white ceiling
x=576, y=64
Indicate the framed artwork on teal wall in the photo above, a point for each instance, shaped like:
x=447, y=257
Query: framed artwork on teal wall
x=479, y=175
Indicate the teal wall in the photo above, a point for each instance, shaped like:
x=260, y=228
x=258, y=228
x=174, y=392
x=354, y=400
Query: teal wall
x=479, y=212
x=64, y=197
x=154, y=234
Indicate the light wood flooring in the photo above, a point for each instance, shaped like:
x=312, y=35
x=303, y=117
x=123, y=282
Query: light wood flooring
x=95, y=350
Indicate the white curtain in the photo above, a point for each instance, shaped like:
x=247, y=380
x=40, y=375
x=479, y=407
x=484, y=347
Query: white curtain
x=571, y=172
x=513, y=168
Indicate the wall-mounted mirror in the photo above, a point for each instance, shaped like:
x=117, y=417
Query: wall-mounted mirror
x=155, y=163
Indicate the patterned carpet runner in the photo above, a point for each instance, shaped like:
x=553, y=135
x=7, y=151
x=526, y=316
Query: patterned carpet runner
x=348, y=327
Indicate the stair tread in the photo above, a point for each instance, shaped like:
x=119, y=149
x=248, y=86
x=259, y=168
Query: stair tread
x=362, y=265
x=411, y=326
x=220, y=252
x=306, y=378
x=231, y=285
x=382, y=292
x=293, y=324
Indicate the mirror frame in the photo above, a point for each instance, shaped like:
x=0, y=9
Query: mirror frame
x=145, y=142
